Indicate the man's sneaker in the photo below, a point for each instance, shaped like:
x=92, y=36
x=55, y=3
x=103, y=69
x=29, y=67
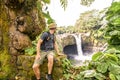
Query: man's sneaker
x=49, y=77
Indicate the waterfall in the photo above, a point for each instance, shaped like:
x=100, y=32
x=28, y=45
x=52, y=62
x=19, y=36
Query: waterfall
x=79, y=48
x=79, y=44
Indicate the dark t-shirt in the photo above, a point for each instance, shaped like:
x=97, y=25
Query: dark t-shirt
x=48, y=41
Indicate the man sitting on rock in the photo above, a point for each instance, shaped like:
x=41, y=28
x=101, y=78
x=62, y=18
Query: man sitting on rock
x=46, y=47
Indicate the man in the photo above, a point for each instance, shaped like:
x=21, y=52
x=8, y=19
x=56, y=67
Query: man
x=45, y=48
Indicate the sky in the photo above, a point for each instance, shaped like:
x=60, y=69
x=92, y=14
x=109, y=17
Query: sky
x=71, y=14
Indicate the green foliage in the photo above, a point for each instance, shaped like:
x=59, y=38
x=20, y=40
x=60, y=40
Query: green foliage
x=48, y=17
x=113, y=50
x=91, y=22
x=64, y=3
x=45, y=14
x=102, y=68
x=89, y=73
x=88, y=20
x=32, y=50
x=112, y=57
x=112, y=33
x=118, y=77
x=112, y=77
x=114, y=69
x=113, y=11
x=66, y=65
x=100, y=76
x=96, y=56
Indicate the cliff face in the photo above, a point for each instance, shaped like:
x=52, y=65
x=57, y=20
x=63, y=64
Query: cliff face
x=20, y=22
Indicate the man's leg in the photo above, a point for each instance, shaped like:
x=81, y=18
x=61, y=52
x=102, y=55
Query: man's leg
x=36, y=65
x=50, y=57
x=50, y=63
x=36, y=71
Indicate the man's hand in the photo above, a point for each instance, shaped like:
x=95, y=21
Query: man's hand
x=38, y=56
x=60, y=54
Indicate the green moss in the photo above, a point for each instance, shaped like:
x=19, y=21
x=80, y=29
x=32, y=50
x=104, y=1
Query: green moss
x=5, y=67
x=5, y=64
x=28, y=20
x=7, y=71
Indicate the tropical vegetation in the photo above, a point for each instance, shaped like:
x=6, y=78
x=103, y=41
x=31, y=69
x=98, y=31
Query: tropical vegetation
x=104, y=65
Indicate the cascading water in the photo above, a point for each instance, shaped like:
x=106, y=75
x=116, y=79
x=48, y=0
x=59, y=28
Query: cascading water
x=79, y=45
x=79, y=49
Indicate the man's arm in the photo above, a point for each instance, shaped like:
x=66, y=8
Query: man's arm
x=38, y=48
x=56, y=48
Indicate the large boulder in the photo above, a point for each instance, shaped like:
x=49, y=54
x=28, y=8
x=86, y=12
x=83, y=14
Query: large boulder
x=20, y=41
x=25, y=71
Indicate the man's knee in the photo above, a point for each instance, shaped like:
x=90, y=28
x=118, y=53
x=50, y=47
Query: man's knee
x=50, y=58
x=35, y=66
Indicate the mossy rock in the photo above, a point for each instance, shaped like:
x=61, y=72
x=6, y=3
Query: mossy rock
x=25, y=70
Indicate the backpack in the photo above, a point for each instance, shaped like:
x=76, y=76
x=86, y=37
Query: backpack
x=45, y=44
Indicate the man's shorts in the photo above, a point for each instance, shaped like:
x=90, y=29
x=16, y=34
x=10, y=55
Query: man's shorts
x=43, y=55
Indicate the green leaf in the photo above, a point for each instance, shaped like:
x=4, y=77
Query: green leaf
x=89, y=73
x=112, y=57
x=112, y=50
x=112, y=76
x=114, y=9
x=114, y=69
x=118, y=55
x=114, y=32
x=116, y=21
x=102, y=67
x=96, y=56
x=67, y=76
x=118, y=77
x=109, y=62
x=30, y=51
x=100, y=76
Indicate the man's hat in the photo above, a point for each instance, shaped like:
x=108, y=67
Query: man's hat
x=52, y=25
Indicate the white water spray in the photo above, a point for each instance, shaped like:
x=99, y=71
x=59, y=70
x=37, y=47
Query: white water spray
x=79, y=49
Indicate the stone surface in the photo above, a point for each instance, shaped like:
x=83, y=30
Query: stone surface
x=68, y=40
x=20, y=41
x=20, y=23
x=24, y=64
